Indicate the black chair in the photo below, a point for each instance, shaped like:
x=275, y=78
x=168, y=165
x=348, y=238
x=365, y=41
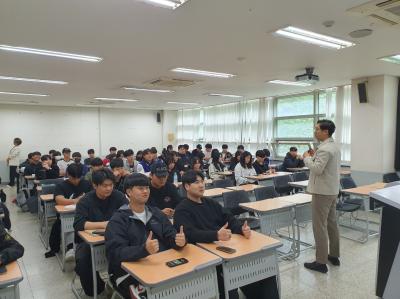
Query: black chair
x=48, y=189
x=300, y=176
x=347, y=182
x=265, y=193
x=223, y=183
x=390, y=177
x=231, y=203
x=281, y=184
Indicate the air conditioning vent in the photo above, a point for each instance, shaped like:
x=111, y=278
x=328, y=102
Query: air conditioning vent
x=387, y=3
x=382, y=19
x=170, y=82
x=385, y=12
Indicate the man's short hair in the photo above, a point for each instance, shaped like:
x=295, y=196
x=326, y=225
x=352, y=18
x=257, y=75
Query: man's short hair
x=190, y=176
x=75, y=170
x=260, y=153
x=135, y=179
x=101, y=175
x=224, y=146
x=146, y=152
x=76, y=155
x=293, y=149
x=45, y=157
x=36, y=154
x=113, y=149
x=208, y=145
x=326, y=124
x=153, y=150
x=128, y=153
x=240, y=147
x=66, y=150
x=17, y=141
x=90, y=151
x=186, y=146
x=96, y=162
x=180, y=146
x=117, y=162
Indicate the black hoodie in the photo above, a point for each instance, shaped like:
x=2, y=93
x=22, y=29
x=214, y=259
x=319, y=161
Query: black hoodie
x=290, y=162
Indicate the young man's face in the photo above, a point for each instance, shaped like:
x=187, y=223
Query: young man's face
x=77, y=160
x=113, y=152
x=181, y=151
x=118, y=171
x=105, y=189
x=158, y=182
x=130, y=159
x=91, y=156
x=95, y=168
x=196, y=189
x=293, y=154
x=148, y=157
x=74, y=181
x=48, y=162
x=208, y=149
x=67, y=156
x=36, y=158
x=138, y=194
x=260, y=160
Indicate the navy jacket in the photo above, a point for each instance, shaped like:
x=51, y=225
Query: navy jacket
x=290, y=162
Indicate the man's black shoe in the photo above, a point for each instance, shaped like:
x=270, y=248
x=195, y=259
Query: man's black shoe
x=334, y=260
x=316, y=267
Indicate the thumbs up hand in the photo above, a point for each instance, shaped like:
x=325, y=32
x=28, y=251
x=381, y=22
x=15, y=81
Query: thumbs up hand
x=224, y=234
x=246, y=230
x=152, y=246
x=180, y=239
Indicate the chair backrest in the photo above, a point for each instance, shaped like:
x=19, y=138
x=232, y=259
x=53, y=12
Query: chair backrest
x=233, y=199
x=48, y=188
x=223, y=183
x=390, y=177
x=51, y=181
x=265, y=193
x=347, y=182
x=300, y=176
x=391, y=184
x=281, y=184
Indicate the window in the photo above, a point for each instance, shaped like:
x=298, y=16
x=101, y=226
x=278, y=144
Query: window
x=282, y=148
x=295, y=105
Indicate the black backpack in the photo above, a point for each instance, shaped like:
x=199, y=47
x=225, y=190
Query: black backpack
x=3, y=196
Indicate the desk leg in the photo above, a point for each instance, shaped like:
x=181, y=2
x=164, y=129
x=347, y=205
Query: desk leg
x=61, y=259
x=92, y=254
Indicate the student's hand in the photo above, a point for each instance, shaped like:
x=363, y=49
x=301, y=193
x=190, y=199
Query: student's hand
x=246, y=230
x=169, y=212
x=224, y=234
x=152, y=246
x=76, y=200
x=181, y=173
x=180, y=239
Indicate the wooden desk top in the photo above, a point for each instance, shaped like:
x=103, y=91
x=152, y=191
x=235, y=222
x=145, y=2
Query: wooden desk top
x=30, y=177
x=296, y=169
x=299, y=184
x=364, y=190
x=91, y=239
x=263, y=177
x=225, y=173
x=47, y=197
x=152, y=270
x=12, y=276
x=243, y=246
x=65, y=209
x=215, y=192
x=345, y=172
x=298, y=198
x=266, y=205
x=247, y=187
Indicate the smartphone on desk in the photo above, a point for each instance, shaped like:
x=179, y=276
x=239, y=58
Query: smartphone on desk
x=177, y=262
x=226, y=249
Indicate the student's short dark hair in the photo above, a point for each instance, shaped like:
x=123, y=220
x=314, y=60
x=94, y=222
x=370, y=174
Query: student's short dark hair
x=243, y=158
x=36, y=154
x=224, y=146
x=326, y=124
x=195, y=160
x=153, y=150
x=240, y=147
x=169, y=147
x=101, y=175
x=135, y=179
x=90, y=151
x=186, y=146
x=76, y=155
x=190, y=176
x=52, y=152
x=45, y=157
x=260, y=153
x=146, y=152
x=75, y=170
x=113, y=148
x=293, y=149
x=120, y=153
x=57, y=153
x=267, y=152
x=128, y=153
x=117, y=162
x=96, y=162
x=208, y=145
x=30, y=155
x=180, y=146
x=17, y=141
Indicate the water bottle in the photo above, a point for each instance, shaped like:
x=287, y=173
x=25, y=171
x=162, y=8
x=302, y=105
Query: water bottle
x=175, y=177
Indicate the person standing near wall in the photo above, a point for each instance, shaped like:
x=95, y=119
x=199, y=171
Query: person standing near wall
x=14, y=156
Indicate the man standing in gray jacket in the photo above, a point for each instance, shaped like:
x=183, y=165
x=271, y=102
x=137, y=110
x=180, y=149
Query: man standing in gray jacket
x=323, y=184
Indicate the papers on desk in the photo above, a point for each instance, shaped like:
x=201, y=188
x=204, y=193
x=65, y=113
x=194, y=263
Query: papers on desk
x=70, y=207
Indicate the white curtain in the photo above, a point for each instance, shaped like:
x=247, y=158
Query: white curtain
x=330, y=106
x=343, y=121
x=188, y=126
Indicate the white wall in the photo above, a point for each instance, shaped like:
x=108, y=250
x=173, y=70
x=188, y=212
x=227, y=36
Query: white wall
x=43, y=128
x=169, y=121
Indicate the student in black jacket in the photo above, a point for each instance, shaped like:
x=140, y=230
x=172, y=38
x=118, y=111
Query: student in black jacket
x=47, y=170
x=183, y=163
x=93, y=212
x=292, y=159
x=10, y=249
x=136, y=231
x=33, y=165
x=117, y=167
x=259, y=165
x=205, y=221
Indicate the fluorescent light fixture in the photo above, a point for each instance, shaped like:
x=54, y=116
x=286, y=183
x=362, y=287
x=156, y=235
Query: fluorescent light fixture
x=291, y=83
x=183, y=103
x=173, y=4
x=21, y=103
x=50, y=53
x=24, y=94
x=313, y=38
x=224, y=95
x=32, y=80
x=202, y=73
x=391, y=58
x=116, y=99
x=147, y=89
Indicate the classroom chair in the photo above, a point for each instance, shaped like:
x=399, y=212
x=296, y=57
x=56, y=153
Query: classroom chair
x=300, y=176
x=282, y=186
x=348, y=183
x=390, y=177
x=265, y=192
x=222, y=183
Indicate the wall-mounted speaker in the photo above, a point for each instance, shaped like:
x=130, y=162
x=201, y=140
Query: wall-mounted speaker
x=362, y=92
x=158, y=117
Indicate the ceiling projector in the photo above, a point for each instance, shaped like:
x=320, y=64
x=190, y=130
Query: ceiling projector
x=308, y=77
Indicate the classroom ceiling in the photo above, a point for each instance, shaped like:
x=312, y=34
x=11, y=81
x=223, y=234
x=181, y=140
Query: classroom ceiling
x=140, y=42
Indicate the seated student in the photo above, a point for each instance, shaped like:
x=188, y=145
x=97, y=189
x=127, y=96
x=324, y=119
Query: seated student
x=47, y=170
x=292, y=159
x=154, y=152
x=207, y=154
x=258, y=164
x=67, y=192
x=139, y=156
x=33, y=165
x=120, y=154
x=204, y=220
x=240, y=148
x=93, y=212
x=183, y=162
x=136, y=231
x=63, y=164
x=226, y=155
x=117, y=167
x=171, y=167
x=130, y=164
x=267, y=155
x=170, y=148
x=147, y=160
x=234, y=161
x=243, y=169
x=163, y=195
x=197, y=152
x=112, y=154
x=108, y=159
x=95, y=164
x=90, y=157
x=10, y=249
x=196, y=164
x=5, y=213
x=216, y=165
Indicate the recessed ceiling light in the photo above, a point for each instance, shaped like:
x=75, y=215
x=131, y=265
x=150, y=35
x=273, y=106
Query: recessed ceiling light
x=224, y=95
x=21, y=102
x=173, y=4
x=392, y=58
x=183, y=103
x=32, y=80
x=313, y=38
x=202, y=73
x=24, y=94
x=116, y=99
x=50, y=53
x=291, y=83
x=147, y=89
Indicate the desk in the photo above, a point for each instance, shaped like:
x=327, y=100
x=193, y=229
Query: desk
x=47, y=203
x=254, y=259
x=215, y=192
x=247, y=187
x=9, y=281
x=265, y=179
x=67, y=214
x=196, y=279
x=299, y=184
x=298, y=169
x=98, y=254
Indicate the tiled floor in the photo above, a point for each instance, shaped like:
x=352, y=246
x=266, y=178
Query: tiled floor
x=355, y=279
